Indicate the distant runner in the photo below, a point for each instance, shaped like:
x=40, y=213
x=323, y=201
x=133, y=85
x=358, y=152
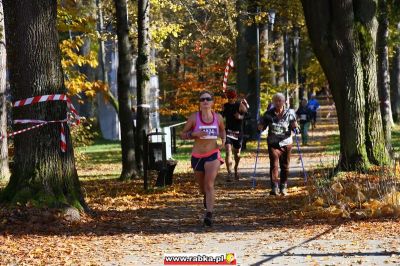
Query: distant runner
x=234, y=111
x=280, y=122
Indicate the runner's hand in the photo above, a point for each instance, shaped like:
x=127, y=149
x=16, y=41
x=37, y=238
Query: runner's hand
x=199, y=134
x=238, y=116
x=222, y=145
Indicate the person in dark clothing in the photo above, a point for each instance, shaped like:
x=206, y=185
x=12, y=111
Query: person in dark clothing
x=234, y=112
x=304, y=115
x=280, y=122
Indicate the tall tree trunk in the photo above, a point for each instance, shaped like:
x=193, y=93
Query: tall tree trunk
x=41, y=171
x=125, y=112
x=395, y=82
x=335, y=36
x=102, y=57
x=143, y=78
x=251, y=71
x=4, y=169
x=279, y=58
x=264, y=42
x=241, y=44
x=383, y=71
x=294, y=67
x=365, y=19
x=272, y=72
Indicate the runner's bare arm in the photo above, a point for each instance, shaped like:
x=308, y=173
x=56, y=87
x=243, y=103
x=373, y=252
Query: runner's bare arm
x=222, y=132
x=243, y=106
x=187, y=129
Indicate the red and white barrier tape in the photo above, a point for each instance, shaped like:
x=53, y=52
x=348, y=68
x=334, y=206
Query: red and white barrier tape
x=229, y=65
x=22, y=131
x=47, y=98
x=63, y=141
x=72, y=118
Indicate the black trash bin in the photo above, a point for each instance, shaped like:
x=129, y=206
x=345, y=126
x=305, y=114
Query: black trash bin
x=156, y=160
x=166, y=173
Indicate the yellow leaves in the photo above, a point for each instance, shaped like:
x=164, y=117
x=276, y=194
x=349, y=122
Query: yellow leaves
x=79, y=19
x=162, y=29
x=315, y=74
x=75, y=81
x=318, y=202
x=75, y=18
x=358, y=195
x=392, y=198
x=372, y=204
x=337, y=187
x=157, y=5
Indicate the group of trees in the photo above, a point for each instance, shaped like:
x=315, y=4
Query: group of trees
x=43, y=172
x=58, y=47
x=350, y=40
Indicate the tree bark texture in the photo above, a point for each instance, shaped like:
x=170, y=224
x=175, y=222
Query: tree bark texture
x=4, y=168
x=251, y=71
x=125, y=112
x=41, y=172
x=279, y=58
x=383, y=71
x=264, y=52
x=366, y=25
x=341, y=34
x=241, y=61
x=143, y=79
x=395, y=83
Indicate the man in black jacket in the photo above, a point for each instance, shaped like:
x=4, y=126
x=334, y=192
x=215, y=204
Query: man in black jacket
x=234, y=111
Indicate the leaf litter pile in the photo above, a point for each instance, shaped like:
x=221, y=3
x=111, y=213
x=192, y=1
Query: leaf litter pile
x=355, y=195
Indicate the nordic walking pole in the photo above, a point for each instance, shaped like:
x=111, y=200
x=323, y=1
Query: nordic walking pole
x=301, y=158
x=255, y=164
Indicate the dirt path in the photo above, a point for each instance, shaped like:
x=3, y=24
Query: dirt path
x=133, y=228
x=262, y=229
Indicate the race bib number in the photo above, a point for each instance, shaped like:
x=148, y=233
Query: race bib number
x=303, y=117
x=279, y=129
x=286, y=142
x=232, y=134
x=210, y=130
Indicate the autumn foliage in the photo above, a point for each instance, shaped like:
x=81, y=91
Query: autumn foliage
x=201, y=74
x=78, y=27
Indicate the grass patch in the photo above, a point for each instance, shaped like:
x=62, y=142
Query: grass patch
x=332, y=144
x=183, y=152
x=102, y=152
x=101, y=145
x=396, y=138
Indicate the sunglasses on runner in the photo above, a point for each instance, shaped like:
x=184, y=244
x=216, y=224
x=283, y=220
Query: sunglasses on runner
x=208, y=99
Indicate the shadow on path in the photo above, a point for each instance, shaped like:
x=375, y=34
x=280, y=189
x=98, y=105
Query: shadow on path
x=271, y=257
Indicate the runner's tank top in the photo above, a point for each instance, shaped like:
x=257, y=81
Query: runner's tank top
x=212, y=128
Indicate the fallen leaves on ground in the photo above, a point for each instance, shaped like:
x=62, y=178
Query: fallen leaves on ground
x=357, y=195
x=128, y=226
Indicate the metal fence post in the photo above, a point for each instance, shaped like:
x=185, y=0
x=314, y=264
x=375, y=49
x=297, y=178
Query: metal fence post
x=145, y=160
